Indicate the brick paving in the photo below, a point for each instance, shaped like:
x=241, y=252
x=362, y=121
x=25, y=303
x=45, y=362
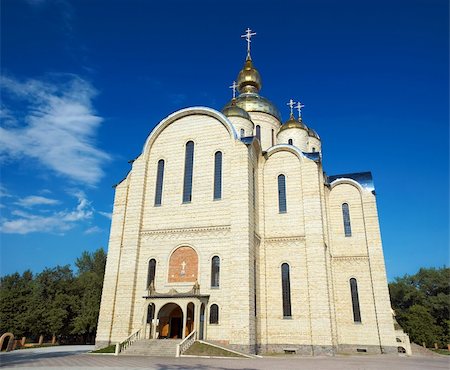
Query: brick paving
x=78, y=359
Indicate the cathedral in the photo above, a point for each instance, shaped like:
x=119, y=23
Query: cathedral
x=228, y=230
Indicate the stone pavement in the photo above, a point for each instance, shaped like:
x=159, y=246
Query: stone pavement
x=76, y=358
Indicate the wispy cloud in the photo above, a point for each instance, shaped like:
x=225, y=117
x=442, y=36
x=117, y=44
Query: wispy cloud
x=22, y=222
x=4, y=192
x=105, y=214
x=93, y=230
x=36, y=200
x=57, y=127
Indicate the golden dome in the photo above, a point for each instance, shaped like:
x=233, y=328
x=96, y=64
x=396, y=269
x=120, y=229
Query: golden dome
x=254, y=103
x=232, y=110
x=293, y=123
x=249, y=80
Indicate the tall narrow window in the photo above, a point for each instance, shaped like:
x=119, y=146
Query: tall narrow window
x=218, y=175
x=188, y=168
x=282, y=194
x=286, y=290
x=346, y=217
x=215, y=270
x=290, y=142
x=159, y=183
x=214, y=314
x=151, y=272
x=242, y=132
x=355, y=300
x=273, y=137
x=258, y=132
x=254, y=188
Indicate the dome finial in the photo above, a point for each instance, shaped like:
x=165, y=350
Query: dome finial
x=234, y=87
x=291, y=105
x=299, y=107
x=248, y=35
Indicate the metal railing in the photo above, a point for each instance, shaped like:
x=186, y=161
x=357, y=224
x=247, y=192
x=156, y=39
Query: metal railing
x=127, y=342
x=184, y=345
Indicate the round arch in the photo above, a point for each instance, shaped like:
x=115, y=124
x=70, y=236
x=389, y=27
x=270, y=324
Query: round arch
x=170, y=321
x=187, y=112
x=183, y=265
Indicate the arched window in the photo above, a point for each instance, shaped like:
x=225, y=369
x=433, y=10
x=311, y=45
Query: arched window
x=346, y=217
x=159, y=183
x=151, y=272
x=242, y=132
x=218, y=175
x=215, y=270
x=188, y=168
x=258, y=132
x=355, y=300
x=273, y=137
x=314, y=150
x=214, y=314
x=282, y=194
x=290, y=142
x=286, y=290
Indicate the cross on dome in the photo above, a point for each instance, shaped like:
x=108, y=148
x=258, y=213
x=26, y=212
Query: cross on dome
x=299, y=107
x=234, y=87
x=291, y=105
x=248, y=35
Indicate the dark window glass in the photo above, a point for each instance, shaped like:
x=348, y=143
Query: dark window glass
x=188, y=168
x=151, y=272
x=258, y=132
x=218, y=175
x=314, y=150
x=215, y=270
x=290, y=141
x=273, y=137
x=282, y=194
x=346, y=217
x=254, y=188
x=286, y=290
x=242, y=132
x=355, y=300
x=214, y=314
x=159, y=183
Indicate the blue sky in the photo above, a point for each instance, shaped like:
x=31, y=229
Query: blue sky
x=84, y=82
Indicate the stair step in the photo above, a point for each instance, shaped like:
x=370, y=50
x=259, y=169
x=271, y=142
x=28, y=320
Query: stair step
x=153, y=347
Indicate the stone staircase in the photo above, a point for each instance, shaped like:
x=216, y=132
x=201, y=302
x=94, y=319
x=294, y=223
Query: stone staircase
x=153, y=347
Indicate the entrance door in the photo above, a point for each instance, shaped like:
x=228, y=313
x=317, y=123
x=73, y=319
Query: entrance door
x=176, y=324
x=170, y=318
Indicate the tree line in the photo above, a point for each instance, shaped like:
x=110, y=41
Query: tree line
x=56, y=302
x=421, y=303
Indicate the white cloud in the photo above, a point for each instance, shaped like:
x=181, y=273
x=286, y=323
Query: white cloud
x=93, y=230
x=57, y=222
x=36, y=200
x=4, y=192
x=106, y=214
x=57, y=127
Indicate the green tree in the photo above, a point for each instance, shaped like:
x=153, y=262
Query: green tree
x=422, y=302
x=91, y=269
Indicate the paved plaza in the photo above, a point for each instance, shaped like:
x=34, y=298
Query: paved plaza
x=77, y=358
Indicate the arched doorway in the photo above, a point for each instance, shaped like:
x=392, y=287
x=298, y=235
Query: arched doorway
x=190, y=319
x=149, y=321
x=202, y=322
x=170, y=318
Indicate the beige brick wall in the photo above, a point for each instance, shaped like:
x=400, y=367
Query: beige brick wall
x=251, y=238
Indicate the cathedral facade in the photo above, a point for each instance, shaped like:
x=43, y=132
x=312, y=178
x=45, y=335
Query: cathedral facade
x=228, y=227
